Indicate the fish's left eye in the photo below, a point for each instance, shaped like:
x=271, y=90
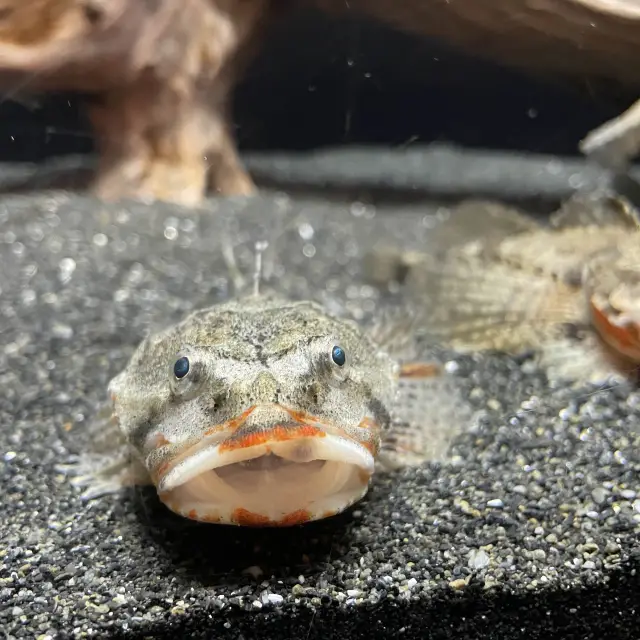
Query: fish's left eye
x=181, y=367
x=339, y=356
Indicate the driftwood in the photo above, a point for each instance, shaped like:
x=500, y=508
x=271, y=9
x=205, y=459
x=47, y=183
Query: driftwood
x=163, y=71
x=615, y=142
x=599, y=38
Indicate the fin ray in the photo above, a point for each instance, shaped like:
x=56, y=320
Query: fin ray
x=583, y=361
x=430, y=412
x=472, y=305
x=108, y=464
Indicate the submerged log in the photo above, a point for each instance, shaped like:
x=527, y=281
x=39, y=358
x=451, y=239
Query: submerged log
x=162, y=75
x=163, y=72
x=595, y=38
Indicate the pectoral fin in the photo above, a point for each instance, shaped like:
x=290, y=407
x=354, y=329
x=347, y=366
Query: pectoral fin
x=430, y=412
x=584, y=361
x=107, y=464
x=472, y=305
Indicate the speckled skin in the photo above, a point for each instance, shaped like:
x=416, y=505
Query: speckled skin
x=259, y=351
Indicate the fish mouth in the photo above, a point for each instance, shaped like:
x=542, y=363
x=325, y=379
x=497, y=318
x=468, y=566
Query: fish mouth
x=283, y=473
x=621, y=333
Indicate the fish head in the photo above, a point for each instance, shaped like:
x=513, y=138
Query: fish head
x=612, y=287
x=262, y=413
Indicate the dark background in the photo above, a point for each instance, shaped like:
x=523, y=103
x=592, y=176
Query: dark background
x=320, y=82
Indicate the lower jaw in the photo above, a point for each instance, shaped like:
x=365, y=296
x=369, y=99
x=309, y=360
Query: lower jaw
x=269, y=498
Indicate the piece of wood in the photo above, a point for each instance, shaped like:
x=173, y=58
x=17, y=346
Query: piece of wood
x=163, y=72
x=597, y=38
x=617, y=141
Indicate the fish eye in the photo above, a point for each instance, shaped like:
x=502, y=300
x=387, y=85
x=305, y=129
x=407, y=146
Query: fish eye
x=181, y=367
x=338, y=356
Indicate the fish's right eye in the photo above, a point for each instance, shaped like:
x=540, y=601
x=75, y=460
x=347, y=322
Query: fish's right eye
x=339, y=356
x=181, y=367
x=186, y=375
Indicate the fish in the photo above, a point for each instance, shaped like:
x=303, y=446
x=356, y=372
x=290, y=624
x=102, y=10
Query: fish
x=568, y=291
x=258, y=421
x=264, y=411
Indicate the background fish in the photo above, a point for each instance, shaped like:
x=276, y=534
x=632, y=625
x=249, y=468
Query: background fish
x=567, y=291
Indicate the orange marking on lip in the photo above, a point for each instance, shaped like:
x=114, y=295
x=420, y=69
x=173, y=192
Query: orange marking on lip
x=369, y=446
x=159, y=440
x=301, y=416
x=419, y=370
x=277, y=433
x=161, y=470
x=231, y=424
x=193, y=514
x=624, y=339
x=295, y=517
x=249, y=519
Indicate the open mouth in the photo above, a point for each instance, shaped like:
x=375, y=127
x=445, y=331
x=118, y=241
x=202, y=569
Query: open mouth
x=284, y=475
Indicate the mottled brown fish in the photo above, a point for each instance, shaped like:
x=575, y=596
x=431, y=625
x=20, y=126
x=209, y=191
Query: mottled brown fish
x=267, y=412
x=564, y=290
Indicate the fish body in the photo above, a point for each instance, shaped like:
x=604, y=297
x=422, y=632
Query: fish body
x=263, y=411
x=568, y=290
x=257, y=411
